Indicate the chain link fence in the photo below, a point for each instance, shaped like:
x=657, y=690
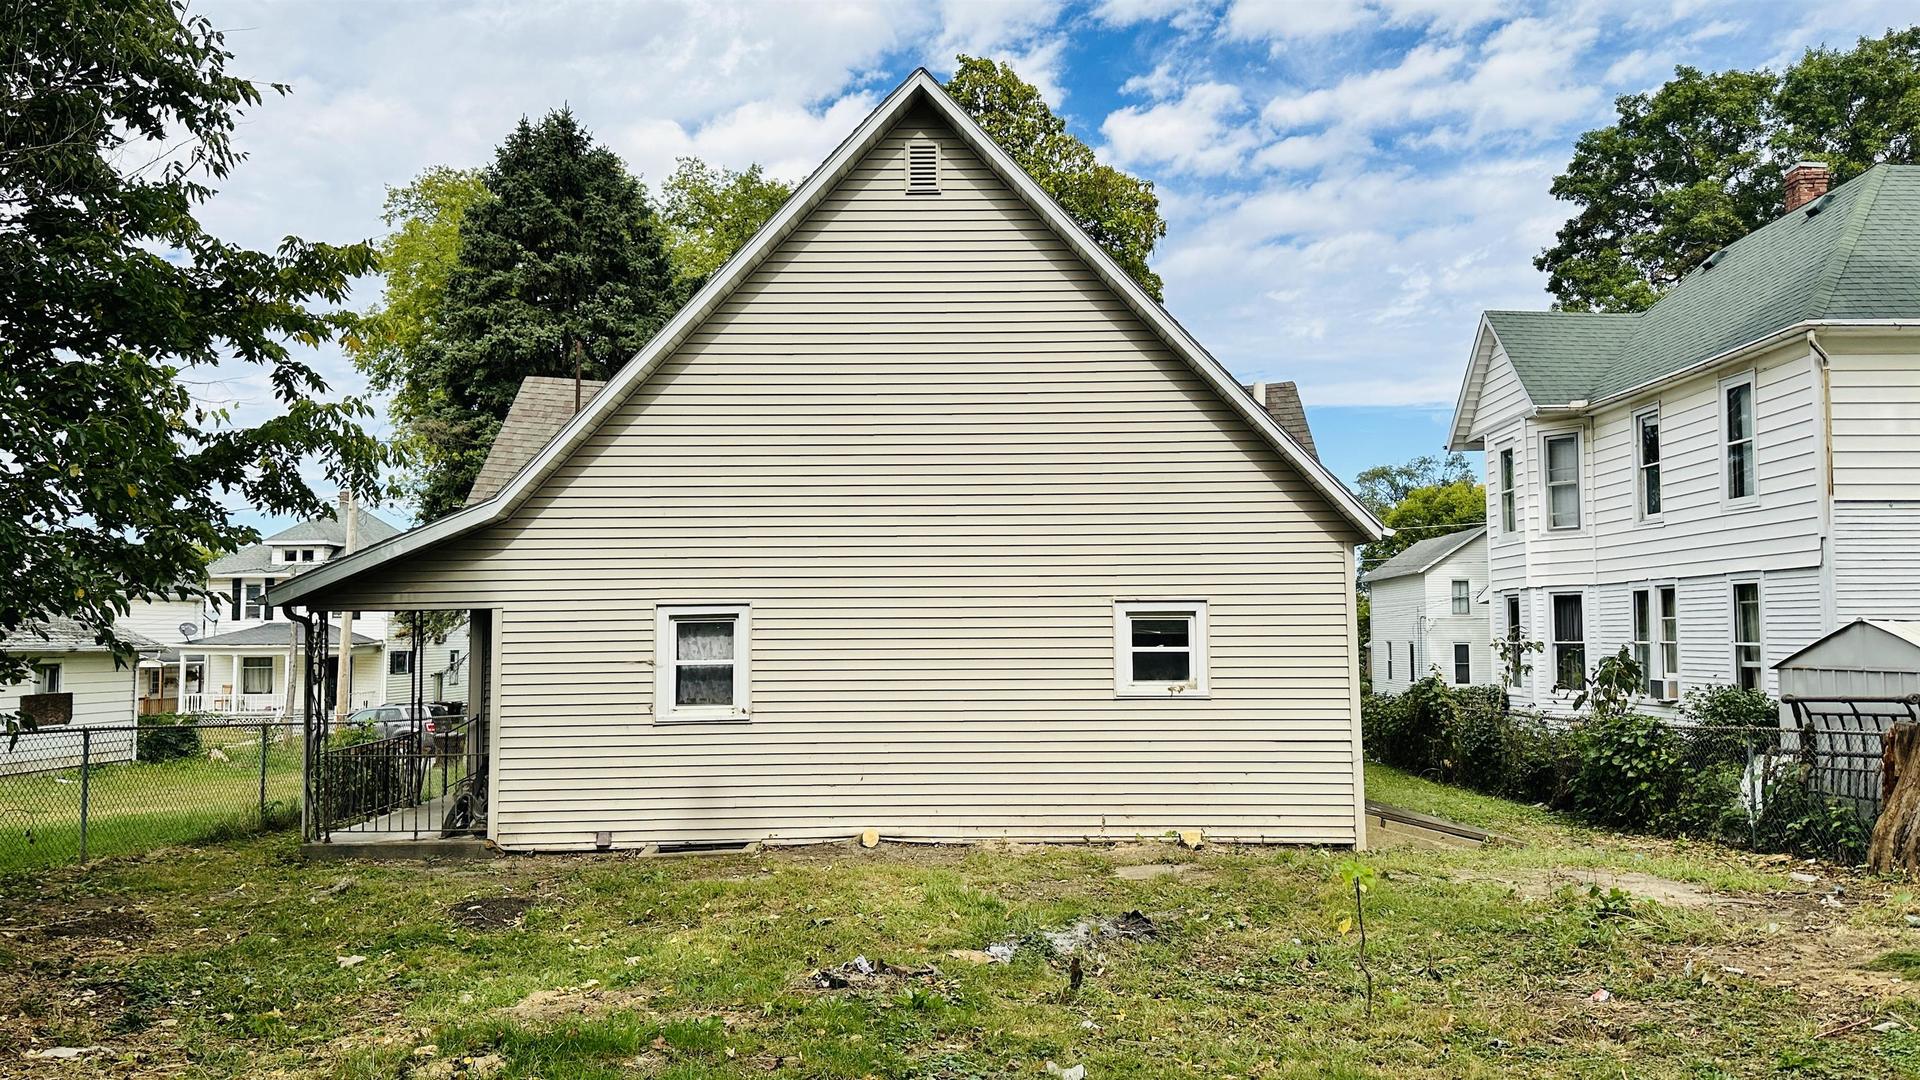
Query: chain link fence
x=74, y=793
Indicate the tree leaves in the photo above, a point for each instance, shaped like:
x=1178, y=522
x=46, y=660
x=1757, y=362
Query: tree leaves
x=115, y=486
x=1698, y=163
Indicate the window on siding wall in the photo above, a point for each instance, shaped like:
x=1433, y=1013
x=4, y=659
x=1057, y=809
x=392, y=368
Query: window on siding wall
x=1569, y=642
x=1737, y=414
x=1748, y=672
x=1514, y=657
x=255, y=608
x=1462, y=663
x=46, y=678
x=1670, y=638
x=701, y=663
x=256, y=674
x=1563, y=481
x=1160, y=648
x=1462, y=598
x=1509, y=498
x=400, y=663
x=1656, y=641
x=1412, y=672
x=1646, y=427
x=1389, y=659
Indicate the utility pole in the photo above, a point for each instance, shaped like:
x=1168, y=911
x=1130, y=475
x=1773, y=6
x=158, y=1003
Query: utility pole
x=343, y=683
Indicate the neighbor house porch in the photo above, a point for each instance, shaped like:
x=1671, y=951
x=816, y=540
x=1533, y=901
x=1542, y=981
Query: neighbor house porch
x=254, y=672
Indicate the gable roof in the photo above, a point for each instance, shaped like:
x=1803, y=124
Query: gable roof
x=332, y=532
x=61, y=635
x=1850, y=256
x=541, y=407
x=1282, y=402
x=918, y=88
x=277, y=634
x=1423, y=555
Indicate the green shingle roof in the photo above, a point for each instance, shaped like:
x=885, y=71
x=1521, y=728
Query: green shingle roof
x=1856, y=256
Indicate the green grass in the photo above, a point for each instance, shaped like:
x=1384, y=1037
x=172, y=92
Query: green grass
x=137, y=807
x=225, y=960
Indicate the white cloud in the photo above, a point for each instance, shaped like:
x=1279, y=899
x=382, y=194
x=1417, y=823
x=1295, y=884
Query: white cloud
x=1286, y=20
x=789, y=140
x=1161, y=82
x=1193, y=134
x=1182, y=14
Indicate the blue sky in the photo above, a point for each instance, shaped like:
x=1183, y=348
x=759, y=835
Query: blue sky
x=1347, y=183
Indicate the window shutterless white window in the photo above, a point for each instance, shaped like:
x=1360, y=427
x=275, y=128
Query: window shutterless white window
x=1509, y=497
x=1563, y=480
x=1412, y=671
x=1462, y=597
x=1462, y=663
x=46, y=678
x=1389, y=659
x=1160, y=648
x=1643, y=640
x=1670, y=640
x=701, y=662
x=400, y=662
x=1748, y=648
x=256, y=674
x=1513, y=640
x=1656, y=641
x=1646, y=443
x=1569, y=641
x=1741, y=475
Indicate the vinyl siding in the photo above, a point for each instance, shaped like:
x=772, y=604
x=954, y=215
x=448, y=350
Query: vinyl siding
x=436, y=659
x=103, y=696
x=1418, y=608
x=1875, y=385
x=931, y=450
x=1393, y=620
x=1876, y=561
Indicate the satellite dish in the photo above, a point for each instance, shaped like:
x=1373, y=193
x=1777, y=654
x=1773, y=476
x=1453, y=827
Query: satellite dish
x=187, y=630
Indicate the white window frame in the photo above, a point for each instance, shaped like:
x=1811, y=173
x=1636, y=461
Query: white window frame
x=49, y=677
x=1124, y=612
x=1462, y=658
x=1506, y=468
x=1515, y=611
x=1752, y=497
x=250, y=665
x=1389, y=646
x=404, y=657
x=1657, y=667
x=1641, y=464
x=1460, y=596
x=1669, y=665
x=253, y=605
x=1547, y=439
x=665, y=664
x=1734, y=643
x=1554, y=643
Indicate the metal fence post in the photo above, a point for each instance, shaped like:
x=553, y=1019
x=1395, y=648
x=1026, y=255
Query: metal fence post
x=86, y=793
x=263, y=775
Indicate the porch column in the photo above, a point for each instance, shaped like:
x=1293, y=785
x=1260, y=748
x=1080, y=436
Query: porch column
x=233, y=699
x=180, y=693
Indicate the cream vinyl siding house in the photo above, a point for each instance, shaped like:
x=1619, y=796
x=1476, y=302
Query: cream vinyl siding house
x=958, y=534
x=1742, y=460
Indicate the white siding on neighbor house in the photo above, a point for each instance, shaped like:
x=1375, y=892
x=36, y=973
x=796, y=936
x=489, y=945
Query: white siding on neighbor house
x=931, y=450
x=103, y=696
x=1875, y=386
x=1417, y=610
x=161, y=619
x=1876, y=561
x=1393, y=617
x=436, y=659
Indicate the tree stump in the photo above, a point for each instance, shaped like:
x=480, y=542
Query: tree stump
x=1896, y=835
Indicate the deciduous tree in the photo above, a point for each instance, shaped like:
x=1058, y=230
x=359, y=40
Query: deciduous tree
x=116, y=484
x=711, y=213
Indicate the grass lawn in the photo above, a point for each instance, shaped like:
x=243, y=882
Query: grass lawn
x=239, y=959
x=136, y=807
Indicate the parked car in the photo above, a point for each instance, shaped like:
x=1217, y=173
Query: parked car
x=390, y=720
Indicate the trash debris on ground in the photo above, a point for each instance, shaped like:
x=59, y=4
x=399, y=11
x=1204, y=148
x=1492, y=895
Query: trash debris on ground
x=1001, y=952
x=351, y=961
x=1084, y=934
x=1077, y=1072
x=65, y=1053
x=1600, y=996
x=861, y=971
x=1804, y=878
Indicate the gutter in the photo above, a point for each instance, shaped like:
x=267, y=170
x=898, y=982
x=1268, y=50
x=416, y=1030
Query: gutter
x=1768, y=341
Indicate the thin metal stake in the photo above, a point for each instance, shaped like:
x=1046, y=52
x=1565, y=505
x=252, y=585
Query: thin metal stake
x=86, y=793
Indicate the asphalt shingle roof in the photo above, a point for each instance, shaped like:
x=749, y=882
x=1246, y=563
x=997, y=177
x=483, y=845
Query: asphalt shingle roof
x=1283, y=404
x=1852, y=254
x=258, y=558
x=273, y=634
x=67, y=636
x=541, y=407
x=1422, y=554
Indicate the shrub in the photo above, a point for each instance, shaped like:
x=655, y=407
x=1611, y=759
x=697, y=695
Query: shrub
x=1796, y=816
x=1709, y=805
x=166, y=737
x=1629, y=773
x=1730, y=706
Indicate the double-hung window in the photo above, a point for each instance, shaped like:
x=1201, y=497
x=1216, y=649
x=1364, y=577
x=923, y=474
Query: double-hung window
x=701, y=664
x=1670, y=639
x=1389, y=659
x=1569, y=642
x=256, y=674
x=1509, y=509
x=1643, y=640
x=1462, y=663
x=1748, y=672
x=400, y=662
x=1646, y=430
x=1160, y=648
x=1563, y=481
x=1462, y=597
x=1736, y=413
x=46, y=678
x=1656, y=640
x=1514, y=656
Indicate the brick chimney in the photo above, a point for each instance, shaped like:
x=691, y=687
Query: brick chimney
x=1806, y=181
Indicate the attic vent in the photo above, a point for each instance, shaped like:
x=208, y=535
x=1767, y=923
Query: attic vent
x=923, y=169
x=1819, y=204
x=1713, y=260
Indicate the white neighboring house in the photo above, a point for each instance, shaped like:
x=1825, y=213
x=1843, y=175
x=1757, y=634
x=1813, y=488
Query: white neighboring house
x=1428, y=608
x=442, y=659
x=1724, y=478
x=75, y=683
x=233, y=653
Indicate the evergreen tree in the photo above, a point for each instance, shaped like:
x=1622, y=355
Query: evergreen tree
x=560, y=269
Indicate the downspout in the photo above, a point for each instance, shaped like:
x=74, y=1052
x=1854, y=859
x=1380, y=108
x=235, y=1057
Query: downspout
x=1823, y=371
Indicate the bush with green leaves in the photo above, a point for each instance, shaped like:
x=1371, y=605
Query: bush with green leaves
x=1730, y=706
x=166, y=737
x=1630, y=771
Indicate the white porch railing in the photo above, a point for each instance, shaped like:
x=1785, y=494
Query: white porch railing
x=234, y=704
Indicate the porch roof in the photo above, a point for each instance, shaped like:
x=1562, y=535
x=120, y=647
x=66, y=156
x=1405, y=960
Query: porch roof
x=67, y=636
x=274, y=634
